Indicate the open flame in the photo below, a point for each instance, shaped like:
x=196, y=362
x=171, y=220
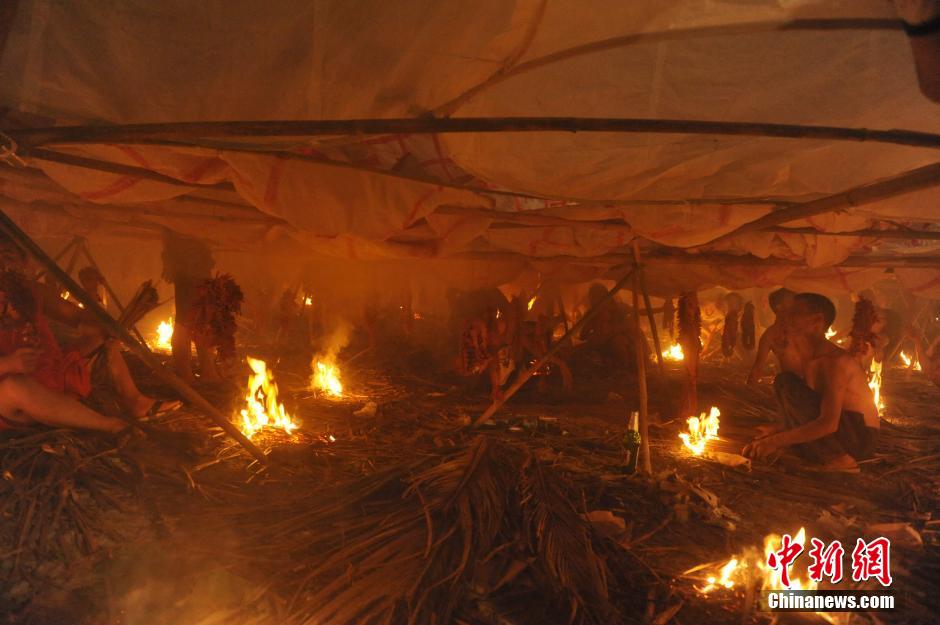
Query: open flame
x=262, y=410
x=910, y=363
x=532, y=302
x=830, y=333
x=674, y=353
x=701, y=430
x=736, y=570
x=326, y=378
x=874, y=383
x=163, y=336
x=308, y=300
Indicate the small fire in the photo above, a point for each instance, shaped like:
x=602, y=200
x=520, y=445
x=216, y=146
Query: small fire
x=910, y=363
x=308, y=300
x=736, y=570
x=262, y=410
x=674, y=353
x=830, y=333
x=701, y=430
x=532, y=302
x=874, y=383
x=725, y=580
x=326, y=378
x=164, y=336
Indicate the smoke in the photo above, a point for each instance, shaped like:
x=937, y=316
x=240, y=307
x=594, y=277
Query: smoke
x=335, y=340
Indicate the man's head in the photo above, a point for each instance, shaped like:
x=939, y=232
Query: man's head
x=811, y=314
x=781, y=300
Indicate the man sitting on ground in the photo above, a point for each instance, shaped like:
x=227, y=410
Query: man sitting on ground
x=777, y=340
x=39, y=381
x=830, y=418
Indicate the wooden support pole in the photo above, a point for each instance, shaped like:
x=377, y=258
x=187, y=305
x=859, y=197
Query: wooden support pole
x=642, y=396
x=649, y=309
x=898, y=233
x=528, y=373
x=59, y=256
x=908, y=182
x=188, y=132
x=22, y=240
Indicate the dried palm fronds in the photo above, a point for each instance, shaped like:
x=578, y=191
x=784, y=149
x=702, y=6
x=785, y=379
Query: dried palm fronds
x=144, y=300
x=218, y=301
x=429, y=539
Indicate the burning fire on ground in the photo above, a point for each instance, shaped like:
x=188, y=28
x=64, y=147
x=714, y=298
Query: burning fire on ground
x=910, y=363
x=674, y=353
x=736, y=571
x=701, y=430
x=163, y=336
x=262, y=409
x=326, y=378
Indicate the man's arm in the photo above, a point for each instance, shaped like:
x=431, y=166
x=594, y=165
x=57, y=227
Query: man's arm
x=763, y=353
x=836, y=378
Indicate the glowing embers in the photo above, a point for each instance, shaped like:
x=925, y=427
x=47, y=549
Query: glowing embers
x=163, y=336
x=674, y=353
x=262, y=409
x=701, y=430
x=874, y=383
x=911, y=363
x=326, y=378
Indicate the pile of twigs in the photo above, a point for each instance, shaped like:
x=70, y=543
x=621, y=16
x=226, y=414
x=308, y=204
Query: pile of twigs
x=468, y=534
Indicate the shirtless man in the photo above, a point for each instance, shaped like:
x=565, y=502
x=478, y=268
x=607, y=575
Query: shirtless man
x=831, y=418
x=778, y=341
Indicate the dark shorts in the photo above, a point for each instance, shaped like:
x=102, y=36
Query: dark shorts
x=800, y=404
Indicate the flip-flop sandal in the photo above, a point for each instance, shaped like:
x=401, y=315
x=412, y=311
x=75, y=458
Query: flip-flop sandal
x=163, y=407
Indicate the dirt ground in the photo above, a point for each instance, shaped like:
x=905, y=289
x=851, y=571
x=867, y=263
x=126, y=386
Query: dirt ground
x=213, y=537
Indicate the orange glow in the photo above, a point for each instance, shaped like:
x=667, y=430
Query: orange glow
x=262, y=409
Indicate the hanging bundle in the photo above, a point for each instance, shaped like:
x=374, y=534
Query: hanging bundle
x=729, y=335
x=218, y=300
x=669, y=318
x=748, y=330
x=863, y=338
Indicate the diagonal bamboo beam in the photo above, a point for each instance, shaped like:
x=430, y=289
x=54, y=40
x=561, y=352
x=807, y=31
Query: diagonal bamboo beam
x=22, y=240
x=526, y=375
x=908, y=182
x=136, y=133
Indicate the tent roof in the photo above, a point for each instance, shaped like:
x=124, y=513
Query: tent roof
x=769, y=74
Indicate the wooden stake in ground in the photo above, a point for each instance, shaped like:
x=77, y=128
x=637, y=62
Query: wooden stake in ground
x=22, y=240
x=640, y=342
x=649, y=309
x=528, y=373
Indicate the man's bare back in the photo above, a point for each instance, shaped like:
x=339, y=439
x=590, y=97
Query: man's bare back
x=836, y=364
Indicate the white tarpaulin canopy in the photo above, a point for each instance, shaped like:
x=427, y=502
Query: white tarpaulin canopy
x=559, y=201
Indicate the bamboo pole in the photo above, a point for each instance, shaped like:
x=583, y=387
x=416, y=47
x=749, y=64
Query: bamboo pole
x=107, y=287
x=908, y=182
x=22, y=240
x=182, y=131
x=926, y=235
x=59, y=256
x=642, y=393
x=649, y=308
x=528, y=373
